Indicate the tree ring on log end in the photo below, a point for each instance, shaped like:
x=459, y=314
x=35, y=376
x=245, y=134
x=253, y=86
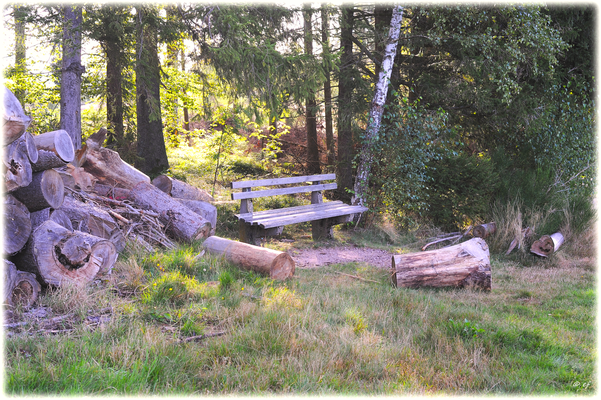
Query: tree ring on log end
x=52, y=184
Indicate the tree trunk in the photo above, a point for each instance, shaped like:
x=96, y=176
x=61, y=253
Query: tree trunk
x=345, y=115
x=18, y=171
x=55, y=149
x=186, y=117
x=151, y=144
x=108, y=168
x=485, y=230
x=463, y=265
x=17, y=225
x=547, y=245
x=313, y=166
x=181, y=190
x=327, y=85
x=382, y=18
x=181, y=222
x=20, y=13
x=14, y=120
x=57, y=255
x=204, y=209
x=377, y=109
x=20, y=288
x=72, y=70
x=45, y=190
x=114, y=92
x=277, y=264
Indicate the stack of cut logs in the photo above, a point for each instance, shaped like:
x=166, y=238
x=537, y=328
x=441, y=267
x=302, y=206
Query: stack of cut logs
x=68, y=212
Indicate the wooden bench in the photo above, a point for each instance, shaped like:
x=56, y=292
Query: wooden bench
x=323, y=216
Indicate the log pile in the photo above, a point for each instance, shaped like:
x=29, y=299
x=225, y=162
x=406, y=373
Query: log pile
x=69, y=213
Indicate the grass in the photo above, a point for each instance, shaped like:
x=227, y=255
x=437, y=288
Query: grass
x=320, y=333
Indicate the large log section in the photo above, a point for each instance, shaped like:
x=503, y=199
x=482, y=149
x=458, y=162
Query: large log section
x=55, y=255
x=181, y=190
x=20, y=288
x=17, y=167
x=181, y=222
x=14, y=120
x=276, y=264
x=45, y=190
x=462, y=265
x=17, y=225
x=55, y=149
x=547, y=245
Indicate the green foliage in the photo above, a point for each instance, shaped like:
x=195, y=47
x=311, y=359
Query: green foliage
x=460, y=190
x=467, y=329
x=177, y=289
x=410, y=139
x=355, y=319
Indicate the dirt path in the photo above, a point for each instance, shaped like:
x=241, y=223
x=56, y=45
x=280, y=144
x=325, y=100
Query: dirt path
x=314, y=258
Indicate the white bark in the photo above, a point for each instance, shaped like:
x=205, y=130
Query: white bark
x=377, y=108
x=71, y=74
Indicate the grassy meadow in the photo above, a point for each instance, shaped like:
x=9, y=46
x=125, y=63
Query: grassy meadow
x=319, y=333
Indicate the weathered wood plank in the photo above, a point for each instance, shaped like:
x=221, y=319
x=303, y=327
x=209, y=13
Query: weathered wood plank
x=282, y=181
x=277, y=192
x=306, y=210
x=285, y=211
x=311, y=216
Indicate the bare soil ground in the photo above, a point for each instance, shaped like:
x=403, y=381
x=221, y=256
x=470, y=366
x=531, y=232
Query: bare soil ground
x=314, y=258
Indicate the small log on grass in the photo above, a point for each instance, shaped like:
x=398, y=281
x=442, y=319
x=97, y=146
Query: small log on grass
x=14, y=120
x=45, y=190
x=181, y=190
x=20, y=288
x=56, y=255
x=55, y=149
x=485, y=230
x=18, y=170
x=17, y=226
x=463, y=265
x=276, y=264
x=547, y=245
x=181, y=222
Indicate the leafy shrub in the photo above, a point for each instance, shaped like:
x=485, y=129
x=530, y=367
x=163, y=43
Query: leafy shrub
x=460, y=190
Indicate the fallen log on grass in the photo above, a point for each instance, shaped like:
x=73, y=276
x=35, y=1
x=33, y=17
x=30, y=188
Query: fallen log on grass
x=180, y=190
x=485, y=230
x=181, y=222
x=276, y=264
x=56, y=255
x=464, y=265
x=20, y=288
x=547, y=245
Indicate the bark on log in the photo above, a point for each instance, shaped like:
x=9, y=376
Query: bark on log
x=106, y=166
x=45, y=190
x=56, y=255
x=32, y=150
x=14, y=120
x=17, y=225
x=59, y=216
x=181, y=190
x=277, y=264
x=181, y=222
x=55, y=149
x=547, y=245
x=20, y=288
x=204, y=209
x=18, y=170
x=485, y=230
x=87, y=218
x=111, y=191
x=462, y=265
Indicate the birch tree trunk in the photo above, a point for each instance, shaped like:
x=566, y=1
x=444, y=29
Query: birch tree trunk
x=71, y=74
x=377, y=109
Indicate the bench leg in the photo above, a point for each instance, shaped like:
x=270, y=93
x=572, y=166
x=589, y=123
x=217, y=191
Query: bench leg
x=249, y=234
x=322, y=229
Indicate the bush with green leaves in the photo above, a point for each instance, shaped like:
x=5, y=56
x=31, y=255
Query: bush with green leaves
x=460, y=190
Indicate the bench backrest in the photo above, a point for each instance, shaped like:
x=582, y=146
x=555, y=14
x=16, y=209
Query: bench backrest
x=315, y=188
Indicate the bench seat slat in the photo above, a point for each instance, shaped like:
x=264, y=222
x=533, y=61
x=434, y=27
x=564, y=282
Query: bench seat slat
x=250, y=217
x=289, y=190
x=310, y=213
x=282, y=181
